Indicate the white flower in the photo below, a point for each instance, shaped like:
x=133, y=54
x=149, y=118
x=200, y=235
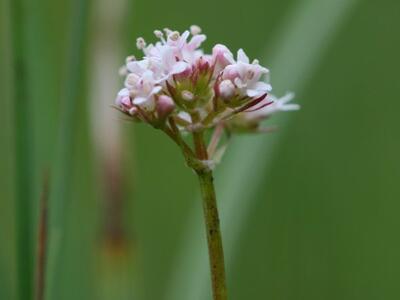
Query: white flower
x=247, y=76
x=144, y=91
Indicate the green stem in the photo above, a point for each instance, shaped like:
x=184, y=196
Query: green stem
x=214, y=239
x=211, y=219
x=23, y=148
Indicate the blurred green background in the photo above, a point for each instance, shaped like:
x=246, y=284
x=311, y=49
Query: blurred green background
x=308, y=212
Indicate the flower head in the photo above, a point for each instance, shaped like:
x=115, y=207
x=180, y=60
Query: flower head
x=176, y=79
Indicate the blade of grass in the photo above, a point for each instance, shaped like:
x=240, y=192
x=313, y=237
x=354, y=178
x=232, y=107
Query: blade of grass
x=23, y=148
x=291, y=66
x=42, y=241
x=59, y=190
x=7, y=222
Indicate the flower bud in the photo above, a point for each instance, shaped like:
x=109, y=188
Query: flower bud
x=165, y=106
x=133, y=111
x=123, y=100
x=187, y=95
x=226, y=89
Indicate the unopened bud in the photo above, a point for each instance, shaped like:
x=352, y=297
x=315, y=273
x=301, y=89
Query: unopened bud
x=187, y=95
x=133, y=111
x=226, y=89
x=195, y=30
x=124, y=101
x=165, y=106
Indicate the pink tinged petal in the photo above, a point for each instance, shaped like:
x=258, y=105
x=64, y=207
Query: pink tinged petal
x=242, y=57
x=229, y=58
x=230, y=72
x=126, y=101
x=196, y=41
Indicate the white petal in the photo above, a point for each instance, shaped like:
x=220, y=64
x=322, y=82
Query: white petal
x=179, y=67
x=289, y=107
x=254, y=93
x=242, y=57
x=287, y=98
x=139, y=100
x=185, y=116
x=156, y=89
x=262, y=86
x=123, y=92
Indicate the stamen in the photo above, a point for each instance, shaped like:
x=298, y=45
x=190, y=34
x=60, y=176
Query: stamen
x=195, y=30
x=140, y=43
x=130, y=59
x=174, y=36
x=167, y=31
x=159, y=34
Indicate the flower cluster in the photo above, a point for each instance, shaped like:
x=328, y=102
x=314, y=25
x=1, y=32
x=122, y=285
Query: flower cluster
x=175, y=79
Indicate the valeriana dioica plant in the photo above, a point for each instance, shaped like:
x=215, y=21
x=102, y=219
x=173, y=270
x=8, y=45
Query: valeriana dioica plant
x=180, y=90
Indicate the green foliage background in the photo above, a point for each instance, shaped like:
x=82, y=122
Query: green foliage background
x=323, y=223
